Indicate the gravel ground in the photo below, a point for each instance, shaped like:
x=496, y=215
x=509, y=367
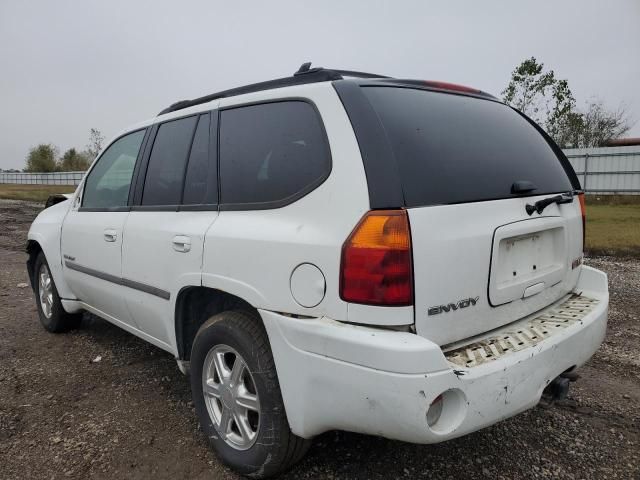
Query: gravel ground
x=130, y=414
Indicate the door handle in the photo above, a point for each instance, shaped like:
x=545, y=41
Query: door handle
x=110, y=235
x=181, y=243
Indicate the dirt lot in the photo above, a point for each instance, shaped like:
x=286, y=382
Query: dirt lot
x=130, y=415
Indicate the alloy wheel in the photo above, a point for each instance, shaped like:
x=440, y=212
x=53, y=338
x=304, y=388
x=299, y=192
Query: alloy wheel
x=231, y=397
x=45, y=290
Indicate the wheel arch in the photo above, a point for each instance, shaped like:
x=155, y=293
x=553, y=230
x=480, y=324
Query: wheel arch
x=33, y=249
x=45, y=236
x=194, y=306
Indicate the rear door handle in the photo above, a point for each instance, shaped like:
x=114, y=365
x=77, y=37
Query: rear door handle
x=181, y=243
x=110, y=235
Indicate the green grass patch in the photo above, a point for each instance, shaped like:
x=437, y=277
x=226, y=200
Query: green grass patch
x=613, y=229
x=613, y=199
x=33, y=193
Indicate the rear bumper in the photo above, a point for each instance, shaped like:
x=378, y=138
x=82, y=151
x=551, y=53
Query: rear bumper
x=346, y=377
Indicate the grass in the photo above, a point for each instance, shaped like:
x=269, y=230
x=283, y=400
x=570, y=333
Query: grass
x=613, y=230
x=613, y=225
x=613, y=200
x=613, y=222
x=33, y=193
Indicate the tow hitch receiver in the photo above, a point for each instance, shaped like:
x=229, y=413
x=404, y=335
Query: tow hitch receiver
x=557, y=389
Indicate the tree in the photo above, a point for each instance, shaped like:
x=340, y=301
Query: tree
x=549, y=102
x=42, y=158
x=95, y=143
x=540, y=95
x=73, y=161
x=595, y=126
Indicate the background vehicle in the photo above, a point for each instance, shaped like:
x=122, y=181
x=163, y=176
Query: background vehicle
x=392, y=257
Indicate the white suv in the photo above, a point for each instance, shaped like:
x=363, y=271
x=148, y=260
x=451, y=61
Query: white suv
x=334, y=250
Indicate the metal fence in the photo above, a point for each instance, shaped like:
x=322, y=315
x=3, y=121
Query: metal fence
x=53, y=178
x=607, y=170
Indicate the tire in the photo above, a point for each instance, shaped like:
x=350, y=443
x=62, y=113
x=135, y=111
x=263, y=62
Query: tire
x=274, y=447
x=52, y=316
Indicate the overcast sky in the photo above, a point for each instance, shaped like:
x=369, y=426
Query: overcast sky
x=67, y=66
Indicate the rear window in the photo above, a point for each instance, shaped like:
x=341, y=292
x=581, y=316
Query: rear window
x=454, y=148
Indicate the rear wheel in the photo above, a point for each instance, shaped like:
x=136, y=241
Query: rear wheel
x=237, y=396
x=52, y=316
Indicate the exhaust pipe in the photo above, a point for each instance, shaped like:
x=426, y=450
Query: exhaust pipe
x=571, y=375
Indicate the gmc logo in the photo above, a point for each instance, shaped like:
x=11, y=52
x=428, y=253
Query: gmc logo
x=467, y=302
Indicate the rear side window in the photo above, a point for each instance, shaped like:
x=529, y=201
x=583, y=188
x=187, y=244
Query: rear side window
x=165, y=172
x=271, y=154
x=107, y=185
x=454, y=148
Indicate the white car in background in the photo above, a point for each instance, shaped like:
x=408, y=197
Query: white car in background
x=334, y=250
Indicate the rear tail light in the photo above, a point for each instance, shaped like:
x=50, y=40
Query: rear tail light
x=583, y=211
x=376, y=266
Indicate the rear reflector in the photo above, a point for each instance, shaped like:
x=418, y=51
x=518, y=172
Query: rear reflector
x=376, y=266
x=583, y=211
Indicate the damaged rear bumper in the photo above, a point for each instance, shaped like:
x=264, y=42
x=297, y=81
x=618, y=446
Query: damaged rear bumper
x=360, y=379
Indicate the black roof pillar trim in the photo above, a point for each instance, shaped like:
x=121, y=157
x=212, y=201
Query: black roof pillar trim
x=383, y=178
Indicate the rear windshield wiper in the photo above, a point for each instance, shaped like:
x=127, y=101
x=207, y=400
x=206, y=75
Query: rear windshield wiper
x=540, y=205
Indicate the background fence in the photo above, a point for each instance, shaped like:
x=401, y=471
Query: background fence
x=53, y=178
x=604, y=170
x=607, y=170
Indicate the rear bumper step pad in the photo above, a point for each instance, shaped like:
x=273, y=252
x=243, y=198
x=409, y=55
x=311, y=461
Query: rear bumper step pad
x=521, y=334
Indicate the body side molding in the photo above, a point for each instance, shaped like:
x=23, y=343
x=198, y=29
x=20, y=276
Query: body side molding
x=151, y=290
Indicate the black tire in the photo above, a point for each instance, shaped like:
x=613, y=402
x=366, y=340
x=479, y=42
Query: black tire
x=276, y=448
x=59, y=321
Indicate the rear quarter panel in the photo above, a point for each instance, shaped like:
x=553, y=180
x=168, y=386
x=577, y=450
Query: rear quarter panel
x=252, y=254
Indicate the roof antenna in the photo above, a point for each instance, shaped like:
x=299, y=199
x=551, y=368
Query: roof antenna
x=305, y=68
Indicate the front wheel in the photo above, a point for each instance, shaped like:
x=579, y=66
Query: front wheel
x=52, y=315
x=237, y=396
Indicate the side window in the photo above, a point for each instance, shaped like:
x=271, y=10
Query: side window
x=271, y=153
x=200, y=186
x=107, y=185
x=165, y=172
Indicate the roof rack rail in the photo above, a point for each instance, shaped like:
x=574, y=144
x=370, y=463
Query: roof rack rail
x=304, y=75
x=305, y=68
